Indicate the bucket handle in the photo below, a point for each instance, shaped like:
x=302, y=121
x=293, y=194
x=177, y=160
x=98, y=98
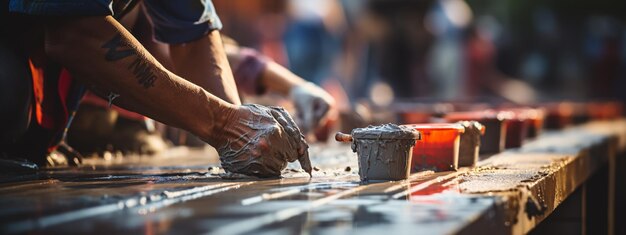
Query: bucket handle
x=341, y=137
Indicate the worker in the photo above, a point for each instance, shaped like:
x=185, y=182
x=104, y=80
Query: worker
x=98, y=128
x=92, y=48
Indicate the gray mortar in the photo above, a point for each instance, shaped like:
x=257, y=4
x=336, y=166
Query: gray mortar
x=384, y=151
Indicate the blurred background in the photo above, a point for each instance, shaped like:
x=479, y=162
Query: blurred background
x=414, y=61
x=381, y=51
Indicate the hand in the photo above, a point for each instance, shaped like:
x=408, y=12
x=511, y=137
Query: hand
x=312, y=104
x=259, y=141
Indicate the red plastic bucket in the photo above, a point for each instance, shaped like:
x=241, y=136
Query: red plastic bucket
x=439, y=148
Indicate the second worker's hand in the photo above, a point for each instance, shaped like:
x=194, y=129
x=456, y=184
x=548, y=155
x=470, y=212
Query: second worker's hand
x=312, y=104
x=260, y=141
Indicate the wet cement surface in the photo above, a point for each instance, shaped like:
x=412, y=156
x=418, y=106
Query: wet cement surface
x=181, y=191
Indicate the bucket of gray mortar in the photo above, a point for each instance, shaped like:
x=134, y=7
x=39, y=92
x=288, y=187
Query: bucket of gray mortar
x=384, y=151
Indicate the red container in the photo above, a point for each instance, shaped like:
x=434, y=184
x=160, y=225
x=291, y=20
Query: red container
x=559, y=115
x=516, y=132
x=470, y=143
x=526, y=123
x=536, y=117
x=495, y=122
x=439, y=148
x=604, y=110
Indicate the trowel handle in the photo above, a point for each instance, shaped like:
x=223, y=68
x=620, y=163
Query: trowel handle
x=341, y=137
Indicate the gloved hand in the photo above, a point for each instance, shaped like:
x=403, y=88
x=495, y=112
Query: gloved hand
x=312, y=104
x=259, y=141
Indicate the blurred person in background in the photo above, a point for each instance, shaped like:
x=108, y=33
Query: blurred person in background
x=447, y=21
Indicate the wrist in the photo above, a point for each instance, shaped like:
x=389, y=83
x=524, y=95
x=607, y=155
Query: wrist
x=298, y=87
x=211, y=127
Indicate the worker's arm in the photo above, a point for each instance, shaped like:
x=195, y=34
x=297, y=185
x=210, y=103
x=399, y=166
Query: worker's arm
x=101, y=53
x=204, y=63
x=260, y=72
x=255, y=73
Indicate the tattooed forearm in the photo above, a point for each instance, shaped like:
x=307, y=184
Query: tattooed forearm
x=118, y=49
x=114, y=52
x=143, y=72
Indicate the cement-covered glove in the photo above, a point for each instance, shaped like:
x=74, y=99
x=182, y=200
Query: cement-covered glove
x=312, y=105
x=259, y=141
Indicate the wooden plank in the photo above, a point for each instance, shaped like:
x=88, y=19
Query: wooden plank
x=509, y=193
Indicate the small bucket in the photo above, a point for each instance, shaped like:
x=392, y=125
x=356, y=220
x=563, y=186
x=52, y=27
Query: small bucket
x=438, y=149
x=470, y=143
x=495, y=122
x=384, y=151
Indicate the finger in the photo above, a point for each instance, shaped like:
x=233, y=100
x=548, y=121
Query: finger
x=292, y=138
x=287, y=120
x=275, y=160
x=305, y=162
x=303, y=153
x=297, y=135
x=291, y=130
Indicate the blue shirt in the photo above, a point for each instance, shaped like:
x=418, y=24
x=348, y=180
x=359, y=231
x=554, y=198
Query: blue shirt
x=174, y=22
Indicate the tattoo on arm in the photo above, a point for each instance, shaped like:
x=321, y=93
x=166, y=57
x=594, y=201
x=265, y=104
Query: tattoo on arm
x=114, y=52
x=118, y=49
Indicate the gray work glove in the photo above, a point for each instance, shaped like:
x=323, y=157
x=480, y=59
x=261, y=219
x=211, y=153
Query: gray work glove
x=312, y=105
